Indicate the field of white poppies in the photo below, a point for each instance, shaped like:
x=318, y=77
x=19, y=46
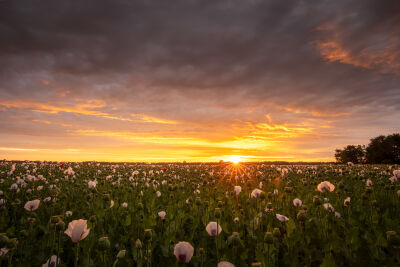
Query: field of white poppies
x=91, y=214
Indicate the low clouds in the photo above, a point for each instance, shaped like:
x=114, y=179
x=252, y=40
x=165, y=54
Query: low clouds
x=201, y=69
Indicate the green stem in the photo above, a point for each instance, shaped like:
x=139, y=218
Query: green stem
x=76, y=254
x=10, y=259
x=58, y=247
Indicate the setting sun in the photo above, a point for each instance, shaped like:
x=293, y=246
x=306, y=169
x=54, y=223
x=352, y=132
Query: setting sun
x=235, y=159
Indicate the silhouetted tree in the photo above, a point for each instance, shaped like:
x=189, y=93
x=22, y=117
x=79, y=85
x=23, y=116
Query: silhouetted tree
x=350, y=153
x=384, y=149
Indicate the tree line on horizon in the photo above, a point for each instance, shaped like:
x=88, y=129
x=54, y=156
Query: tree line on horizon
x=380, y=150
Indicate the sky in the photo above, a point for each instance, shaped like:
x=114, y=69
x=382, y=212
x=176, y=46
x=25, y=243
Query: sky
x=196, y=80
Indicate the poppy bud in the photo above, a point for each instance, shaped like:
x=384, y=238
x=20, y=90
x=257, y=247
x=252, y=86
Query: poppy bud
x=269, y=195
x=138, y=244
x=103, y=243
x=121, y=254
x=269, y=238
x=93, y=219
x=269, y=205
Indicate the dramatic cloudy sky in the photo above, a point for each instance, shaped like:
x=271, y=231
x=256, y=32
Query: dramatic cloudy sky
x=196, y=80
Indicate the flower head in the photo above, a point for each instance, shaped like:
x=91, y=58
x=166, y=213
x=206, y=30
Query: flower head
x=225, y=264
x=282, y=218
x=347, y=201
x=32, y=205
x=297, y=202
x=329, y=207
x=256, y=193
x=213, y=228
x=51, y=262
x=77, y=230
x=183, y=251
x=92, y=184
x=325, y=186
x=237, y=189
x=162, y=214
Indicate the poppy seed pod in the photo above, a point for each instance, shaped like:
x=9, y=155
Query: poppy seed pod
x=147, y=235
x=55, y=219
x=200, y=251
x=276, y=232
x=12, y=243
x=317, y=200
x=60, y=226
x=234, y=239
x=3, y=239
x=217, y=213
x=198, y=201
x=393, y=238
x=302, y=216
x=93, y=219
x=269, y=238
x=103, y=243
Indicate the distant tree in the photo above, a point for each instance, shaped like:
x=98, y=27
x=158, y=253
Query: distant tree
x=350, y=153
x=384, y=150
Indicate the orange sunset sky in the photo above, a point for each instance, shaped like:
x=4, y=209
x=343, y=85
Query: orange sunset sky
x=196, y=80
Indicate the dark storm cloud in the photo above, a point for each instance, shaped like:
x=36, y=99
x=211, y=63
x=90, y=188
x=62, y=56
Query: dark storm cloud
x=264, y=47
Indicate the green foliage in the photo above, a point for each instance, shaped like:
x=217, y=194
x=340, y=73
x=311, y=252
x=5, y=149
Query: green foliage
x=363, y=232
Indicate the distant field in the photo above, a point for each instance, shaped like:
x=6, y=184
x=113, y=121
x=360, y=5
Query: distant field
x=242, y=214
